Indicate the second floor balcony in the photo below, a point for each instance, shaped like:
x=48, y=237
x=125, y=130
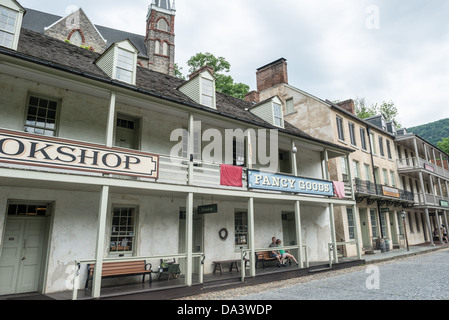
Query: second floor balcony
x=31, y=152
x=406, y=165
x=367, y=189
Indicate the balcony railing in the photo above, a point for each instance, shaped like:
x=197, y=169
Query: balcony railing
x=370, y=188
x=406, y=164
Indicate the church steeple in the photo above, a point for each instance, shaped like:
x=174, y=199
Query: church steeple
x=160, y=36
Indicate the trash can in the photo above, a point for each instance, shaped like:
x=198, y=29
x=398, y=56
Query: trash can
x=387, y=244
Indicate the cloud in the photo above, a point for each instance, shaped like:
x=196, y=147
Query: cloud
x=333, y=50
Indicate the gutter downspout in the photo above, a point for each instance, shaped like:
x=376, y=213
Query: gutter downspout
x=368, y=129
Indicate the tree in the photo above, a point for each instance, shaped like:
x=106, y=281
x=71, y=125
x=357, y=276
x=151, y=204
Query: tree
x=223, y=83
x=387, y=109
x=444, y=145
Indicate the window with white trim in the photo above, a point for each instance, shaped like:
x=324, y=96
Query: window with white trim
x=41, y=116
x=341, y=135
x=207, y=92
x=352, y=133
x=123, y=229
x=8, y=19
x=241, y=228
x=277, y=114
x=125, y=65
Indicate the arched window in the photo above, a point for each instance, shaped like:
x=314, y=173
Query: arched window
x=162, y=25
x=165, y=49
x=76, y=38
x=157, y=47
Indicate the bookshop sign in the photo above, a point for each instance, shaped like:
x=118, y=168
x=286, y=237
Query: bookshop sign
x=40, y=151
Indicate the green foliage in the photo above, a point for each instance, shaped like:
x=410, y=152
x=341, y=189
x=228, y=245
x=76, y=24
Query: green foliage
x=388, y=109
x=208, y=59
x=433, y=132
x=223, y=83
x=444, y=145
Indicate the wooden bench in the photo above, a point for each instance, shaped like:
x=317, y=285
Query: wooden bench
x=264, y=256
x=233, y=264
x=121, y=269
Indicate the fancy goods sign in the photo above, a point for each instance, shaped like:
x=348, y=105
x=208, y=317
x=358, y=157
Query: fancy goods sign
x=33, y=150
x=284, y=183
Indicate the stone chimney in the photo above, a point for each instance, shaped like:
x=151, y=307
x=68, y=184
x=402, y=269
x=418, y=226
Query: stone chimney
x=348, y=105
x=272, y=74
x=252, y=96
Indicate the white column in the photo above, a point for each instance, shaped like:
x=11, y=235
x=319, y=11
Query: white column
x=333, y=237
x=299, y=233
x=102, y=214
x=189, y=237
x=190, y=148
x=111, y=121
x=356, y=231
x=294, y=164
x=429, y=227
x=251, y=240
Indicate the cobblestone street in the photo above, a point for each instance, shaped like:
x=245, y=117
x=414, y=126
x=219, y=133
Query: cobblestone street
x=421, y=277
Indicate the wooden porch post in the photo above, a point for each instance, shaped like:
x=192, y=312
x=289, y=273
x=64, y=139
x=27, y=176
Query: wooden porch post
x=110, y=124
x=251, y=239
x=102, y=214
x=299, y=233
x=333, y=237
x=188, y=240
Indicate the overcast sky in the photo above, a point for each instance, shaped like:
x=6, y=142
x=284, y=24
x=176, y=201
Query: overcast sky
x=381, y=50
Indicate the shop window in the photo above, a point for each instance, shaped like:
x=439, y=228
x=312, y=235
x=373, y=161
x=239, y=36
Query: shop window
x=241, y=228
x=41, y=116
x=350, y=223
x=123, y=226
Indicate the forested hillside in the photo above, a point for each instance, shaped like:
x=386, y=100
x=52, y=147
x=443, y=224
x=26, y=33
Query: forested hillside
x=433, y=132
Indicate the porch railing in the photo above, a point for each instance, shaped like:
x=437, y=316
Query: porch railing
x=78, y=263
x=333, y=246
x=405, y=164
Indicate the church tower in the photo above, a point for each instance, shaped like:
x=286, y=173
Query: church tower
x=160, y=36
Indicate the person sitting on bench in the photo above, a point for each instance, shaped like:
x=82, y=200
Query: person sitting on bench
x=275, y=253
x=285, y=255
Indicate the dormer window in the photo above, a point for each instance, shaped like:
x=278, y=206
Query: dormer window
x=207, y=92
x=10, y=24
x=277, y=114
x=120, y=62
x=270, y=110
x=201, y=87
x=125, y=65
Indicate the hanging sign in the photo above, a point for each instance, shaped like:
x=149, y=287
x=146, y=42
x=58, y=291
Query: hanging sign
x=444, y=203
x=210, y=208
x=285, y=183
x=40, y=151
x=391, y=192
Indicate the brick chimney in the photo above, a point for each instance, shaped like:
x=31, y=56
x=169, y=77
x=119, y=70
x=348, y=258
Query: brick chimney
x=272, y=74
x=252, y=96
x=347, y=105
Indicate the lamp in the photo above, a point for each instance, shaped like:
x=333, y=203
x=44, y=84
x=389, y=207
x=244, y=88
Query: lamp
x=404, y=214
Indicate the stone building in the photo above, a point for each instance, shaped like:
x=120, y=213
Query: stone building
x=156, y=50
x=371, y=170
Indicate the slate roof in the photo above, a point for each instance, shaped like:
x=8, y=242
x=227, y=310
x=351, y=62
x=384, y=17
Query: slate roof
x=38, y=21
x=41, y=49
